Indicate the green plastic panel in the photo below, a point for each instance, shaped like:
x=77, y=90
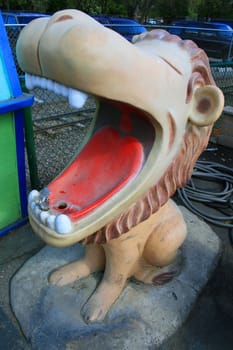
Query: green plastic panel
x=9, y=188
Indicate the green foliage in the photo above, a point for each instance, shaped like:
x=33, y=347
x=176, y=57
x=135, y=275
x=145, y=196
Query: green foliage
x=138, y=9
x=216, y=9
x=193, y=6
x=170, y=8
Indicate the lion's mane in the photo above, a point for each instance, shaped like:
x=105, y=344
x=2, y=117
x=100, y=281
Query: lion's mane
x=180, y=170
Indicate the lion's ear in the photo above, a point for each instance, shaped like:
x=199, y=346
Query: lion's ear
x=206, y=105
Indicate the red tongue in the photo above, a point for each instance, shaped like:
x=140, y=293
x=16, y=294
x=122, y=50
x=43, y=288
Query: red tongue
x=102, y=168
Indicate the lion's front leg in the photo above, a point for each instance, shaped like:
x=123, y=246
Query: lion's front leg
x=121, y=258
x=102, y=299
x=93, y=261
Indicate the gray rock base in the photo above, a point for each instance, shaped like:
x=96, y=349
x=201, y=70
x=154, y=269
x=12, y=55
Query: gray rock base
x=142, y=318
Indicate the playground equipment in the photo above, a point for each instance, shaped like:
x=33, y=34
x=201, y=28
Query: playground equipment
x=13, y=104
x=150, y=129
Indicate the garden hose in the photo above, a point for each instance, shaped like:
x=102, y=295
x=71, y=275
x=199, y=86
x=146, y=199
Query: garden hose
x=219, y=198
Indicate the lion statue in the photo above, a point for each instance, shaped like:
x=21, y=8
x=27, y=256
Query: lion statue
x=157, y=102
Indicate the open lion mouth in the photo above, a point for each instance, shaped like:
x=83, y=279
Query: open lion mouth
x=136, y=125
x=114, y=156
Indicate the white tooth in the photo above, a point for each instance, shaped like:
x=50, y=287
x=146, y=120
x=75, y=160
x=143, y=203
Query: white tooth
x=51, y=221
x=37, y=211
x=28, y=81
x=33, y=195
x=64, y=90
x=33, y=206
x=63, y=224
x=50, y=85
x=43, y=83
x=57, y=88
x=77, y=98
x=44, y=216
x=36, y=81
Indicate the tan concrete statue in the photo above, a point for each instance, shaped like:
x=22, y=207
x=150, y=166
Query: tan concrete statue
x=157, y=102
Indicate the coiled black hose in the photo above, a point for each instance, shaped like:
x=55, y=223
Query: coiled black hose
x=220, y=197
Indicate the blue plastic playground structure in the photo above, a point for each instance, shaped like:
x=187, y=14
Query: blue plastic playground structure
x=13, y=204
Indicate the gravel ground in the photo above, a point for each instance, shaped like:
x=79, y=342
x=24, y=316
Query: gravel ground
x=59, y=133
x=54, y=150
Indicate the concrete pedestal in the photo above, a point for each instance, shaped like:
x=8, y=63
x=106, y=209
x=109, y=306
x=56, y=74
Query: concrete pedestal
x=142, y=318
